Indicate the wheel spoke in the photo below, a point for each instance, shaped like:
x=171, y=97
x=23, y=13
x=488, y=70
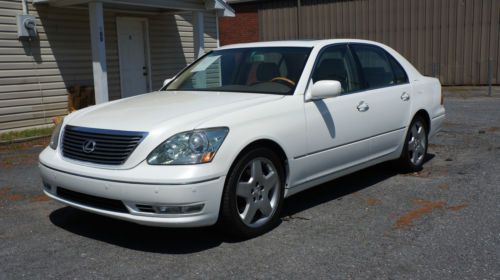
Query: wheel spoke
x=244, y=189
x=420, y=149
x=265, y=207
x=414, y=157
x=421, y=132
x=256, y=170
x=249, y=213
x=411, y=144
x=270, y=180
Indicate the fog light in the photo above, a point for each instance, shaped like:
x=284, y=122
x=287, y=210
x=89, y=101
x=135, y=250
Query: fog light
x=178, y=209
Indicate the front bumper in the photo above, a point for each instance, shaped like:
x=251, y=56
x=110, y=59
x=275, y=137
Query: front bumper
x=207, y=192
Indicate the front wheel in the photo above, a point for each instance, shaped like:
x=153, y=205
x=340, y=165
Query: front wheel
x=253, y=195
x=416, y=143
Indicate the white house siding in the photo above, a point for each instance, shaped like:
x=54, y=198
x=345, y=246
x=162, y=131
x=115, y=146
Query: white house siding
x=166, y=39
x=34, y=77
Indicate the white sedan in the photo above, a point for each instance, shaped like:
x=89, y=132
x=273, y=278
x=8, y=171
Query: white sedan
x=239, y=130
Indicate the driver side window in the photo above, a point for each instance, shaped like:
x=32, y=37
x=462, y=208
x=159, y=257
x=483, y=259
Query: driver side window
x=336, y=63
x=265, y=67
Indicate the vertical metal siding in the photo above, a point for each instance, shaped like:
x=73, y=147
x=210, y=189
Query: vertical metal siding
x=450, y=39
x=279, y=20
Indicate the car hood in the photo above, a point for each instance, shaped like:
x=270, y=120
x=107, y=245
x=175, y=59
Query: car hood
x=163, y=110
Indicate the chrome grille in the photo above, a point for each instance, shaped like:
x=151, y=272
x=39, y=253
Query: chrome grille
x=100, y=146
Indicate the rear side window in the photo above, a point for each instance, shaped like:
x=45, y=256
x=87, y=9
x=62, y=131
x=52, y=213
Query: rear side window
x=399, y=72
x=378, y=69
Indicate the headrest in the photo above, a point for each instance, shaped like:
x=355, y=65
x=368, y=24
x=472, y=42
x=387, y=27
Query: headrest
x=267, y=71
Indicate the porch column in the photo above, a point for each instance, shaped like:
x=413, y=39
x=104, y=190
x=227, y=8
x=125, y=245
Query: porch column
x=97, y=39
x=198, y=34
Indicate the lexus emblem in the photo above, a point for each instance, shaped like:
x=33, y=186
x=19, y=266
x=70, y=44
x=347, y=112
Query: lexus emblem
x=88, y=146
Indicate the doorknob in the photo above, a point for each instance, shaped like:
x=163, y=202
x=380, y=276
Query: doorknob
x=363, y=106
x=405, y=96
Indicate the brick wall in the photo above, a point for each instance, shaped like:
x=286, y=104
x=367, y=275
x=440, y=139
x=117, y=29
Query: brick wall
x=242, y=28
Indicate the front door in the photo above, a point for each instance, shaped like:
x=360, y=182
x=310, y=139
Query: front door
x=133, y=54
x=338, y=129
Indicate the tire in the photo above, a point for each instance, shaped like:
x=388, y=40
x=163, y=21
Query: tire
x=253, y=194
x=415, y=146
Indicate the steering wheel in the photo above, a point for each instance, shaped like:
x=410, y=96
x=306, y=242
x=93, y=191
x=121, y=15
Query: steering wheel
x=288, y=81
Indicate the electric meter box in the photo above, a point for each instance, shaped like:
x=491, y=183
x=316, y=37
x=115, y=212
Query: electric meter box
x=26, y=27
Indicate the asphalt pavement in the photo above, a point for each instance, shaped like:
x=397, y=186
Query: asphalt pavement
x=440, y=223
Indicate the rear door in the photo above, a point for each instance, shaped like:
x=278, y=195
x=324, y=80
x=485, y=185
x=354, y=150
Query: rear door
x=388, y=95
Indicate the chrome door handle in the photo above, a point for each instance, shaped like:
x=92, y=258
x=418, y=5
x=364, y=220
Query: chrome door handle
x=405, y=96
x=363, y=106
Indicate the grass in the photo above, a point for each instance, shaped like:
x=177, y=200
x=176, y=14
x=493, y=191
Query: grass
x=13, y=135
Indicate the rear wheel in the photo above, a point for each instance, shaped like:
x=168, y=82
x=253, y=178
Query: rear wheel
x=253, y=195
x=416, y=143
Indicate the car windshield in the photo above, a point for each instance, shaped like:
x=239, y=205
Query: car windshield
x=274, y=70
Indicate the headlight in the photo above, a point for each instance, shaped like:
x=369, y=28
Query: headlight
x=54, y=139
x=190, y=147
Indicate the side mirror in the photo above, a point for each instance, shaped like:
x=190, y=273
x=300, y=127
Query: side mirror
x=166, y=82
x=325, y=89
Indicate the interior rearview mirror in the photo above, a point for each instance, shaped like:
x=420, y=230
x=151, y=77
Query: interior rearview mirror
x=166, y=81
x=325, y=89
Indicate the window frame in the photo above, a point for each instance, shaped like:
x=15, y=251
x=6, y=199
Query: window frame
x=388, y=56
x=392, y=58
x=310, y=81
x=187, y=67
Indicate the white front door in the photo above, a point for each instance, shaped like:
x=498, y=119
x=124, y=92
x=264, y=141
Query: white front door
x=338, y=129
x=133, y=55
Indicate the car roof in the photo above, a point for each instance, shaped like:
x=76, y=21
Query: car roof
x=298, y=43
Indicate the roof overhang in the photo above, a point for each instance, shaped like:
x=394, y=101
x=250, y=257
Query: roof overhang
x=219, y=6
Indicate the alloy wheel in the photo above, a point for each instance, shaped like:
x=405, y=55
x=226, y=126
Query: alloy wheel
x=257, y=192
x=417, y=144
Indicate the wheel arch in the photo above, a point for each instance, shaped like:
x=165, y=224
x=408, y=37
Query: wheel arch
x=425, y=115
x=263, y=142
x=267, y=143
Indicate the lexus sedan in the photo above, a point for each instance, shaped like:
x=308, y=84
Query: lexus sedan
x=240, y=129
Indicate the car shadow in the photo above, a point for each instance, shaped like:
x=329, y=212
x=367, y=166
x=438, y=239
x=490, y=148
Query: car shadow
x=343, y=186
x=191, y=240
x=134, y=236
